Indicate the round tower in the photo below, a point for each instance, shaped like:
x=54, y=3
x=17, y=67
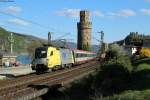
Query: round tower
x=84, y=31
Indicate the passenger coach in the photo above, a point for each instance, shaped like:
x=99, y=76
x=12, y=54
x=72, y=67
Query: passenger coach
x=81, y=56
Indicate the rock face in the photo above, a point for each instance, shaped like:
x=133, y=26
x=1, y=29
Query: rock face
x=84, y=31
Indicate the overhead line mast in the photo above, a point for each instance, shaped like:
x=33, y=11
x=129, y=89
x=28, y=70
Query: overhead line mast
x=11, y=40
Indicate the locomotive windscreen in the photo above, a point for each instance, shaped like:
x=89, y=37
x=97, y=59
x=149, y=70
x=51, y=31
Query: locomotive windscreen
x=41, y=52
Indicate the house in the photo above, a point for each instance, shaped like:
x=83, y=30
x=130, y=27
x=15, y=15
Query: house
x=7, y=58
x=131, y=49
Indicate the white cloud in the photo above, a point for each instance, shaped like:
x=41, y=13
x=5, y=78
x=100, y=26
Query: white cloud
x=145, y=11
x=69, y=12
x=97, y=13
x=122, y=13
x=76, y=12
x=12, y=9
x=19, y=22
x=126, y=13
x=111, y=14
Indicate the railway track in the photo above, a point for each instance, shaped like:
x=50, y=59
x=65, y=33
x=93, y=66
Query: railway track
x=28, y=87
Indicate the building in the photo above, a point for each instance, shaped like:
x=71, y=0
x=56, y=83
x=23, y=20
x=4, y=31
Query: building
x=84, y=31
x=131, y=50
x=134, y=42
x=7, y=58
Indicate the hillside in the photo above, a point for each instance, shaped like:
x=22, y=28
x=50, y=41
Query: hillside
x=72, y=45
x=22, y=42
x=26, y=43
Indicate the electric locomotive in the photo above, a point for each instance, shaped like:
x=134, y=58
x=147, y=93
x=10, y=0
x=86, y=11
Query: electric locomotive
x=54, y=58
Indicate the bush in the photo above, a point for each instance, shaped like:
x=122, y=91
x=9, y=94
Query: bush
x=116, y=54
x=122, y=60
x=112, y=78
x=117, y=50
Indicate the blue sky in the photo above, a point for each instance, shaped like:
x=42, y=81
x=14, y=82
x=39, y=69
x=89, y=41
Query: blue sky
x=115, y=17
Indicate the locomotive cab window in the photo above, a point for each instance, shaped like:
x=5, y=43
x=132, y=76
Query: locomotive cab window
x=41, y=53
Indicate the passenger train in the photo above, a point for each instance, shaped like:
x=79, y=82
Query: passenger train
x=53, y=58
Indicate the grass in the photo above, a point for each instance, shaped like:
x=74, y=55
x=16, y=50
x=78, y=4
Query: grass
x=142, y=61
x=131, y=95
x=142, y=66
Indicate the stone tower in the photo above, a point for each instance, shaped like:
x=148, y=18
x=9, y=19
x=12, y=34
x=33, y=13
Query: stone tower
x=84, y=31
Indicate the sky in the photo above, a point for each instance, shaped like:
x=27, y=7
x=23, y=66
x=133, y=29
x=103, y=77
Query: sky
x=117, y=18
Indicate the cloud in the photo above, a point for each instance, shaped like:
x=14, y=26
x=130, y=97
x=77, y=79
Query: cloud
x=19, y=22
x=97, y=13
x=112, y=14
x=12, y=9
x=145, y=11
x=126, y=13
x=74, y=13
x=122, y=13
x=69, y=12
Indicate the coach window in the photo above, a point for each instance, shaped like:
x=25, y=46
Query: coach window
x=76, y=55
x=80, y=55
x=85, y=55
x=89, y=55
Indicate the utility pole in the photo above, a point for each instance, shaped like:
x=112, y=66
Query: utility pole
x=2, y=44
x=101, y=39
x=103, y=45
x=102, y=36
x=11, y=40
x=49, y=38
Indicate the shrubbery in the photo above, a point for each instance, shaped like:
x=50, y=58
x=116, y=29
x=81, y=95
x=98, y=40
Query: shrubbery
x=112, y=78
x=116, y=51
x=117, y=75
x=114, y=73
x=116, y=54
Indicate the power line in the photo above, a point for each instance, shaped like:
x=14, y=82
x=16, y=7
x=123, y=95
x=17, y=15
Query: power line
x=96, y=39
x=62, y=36
x=32, y=22
x=21, y=29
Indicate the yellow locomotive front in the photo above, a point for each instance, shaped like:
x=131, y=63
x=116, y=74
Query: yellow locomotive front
x=46, y=58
